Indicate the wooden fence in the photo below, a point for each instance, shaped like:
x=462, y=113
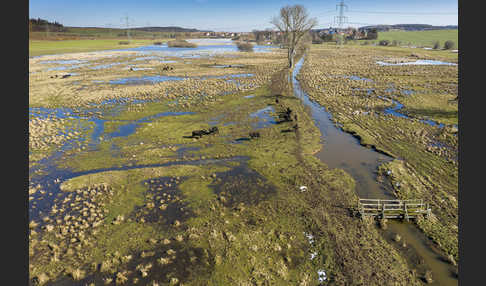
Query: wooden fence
x=405, y=209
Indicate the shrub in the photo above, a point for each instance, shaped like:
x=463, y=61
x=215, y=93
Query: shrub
x=181, y=44
x=244, y=47
x=327, y=38
x=372, y=34
x=384, y=43
x=123, y=42
x=365, y=43
x=448, y=45
x=436, y=45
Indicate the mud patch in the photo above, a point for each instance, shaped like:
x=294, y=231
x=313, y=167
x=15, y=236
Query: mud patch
x=242, y=185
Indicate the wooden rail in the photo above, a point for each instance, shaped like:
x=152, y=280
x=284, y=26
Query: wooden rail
x=405, y=209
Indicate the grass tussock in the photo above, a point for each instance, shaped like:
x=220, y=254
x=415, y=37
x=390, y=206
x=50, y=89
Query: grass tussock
x=244, y=47
x=181, y=44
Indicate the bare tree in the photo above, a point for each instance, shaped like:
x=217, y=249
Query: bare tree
x=293, y=22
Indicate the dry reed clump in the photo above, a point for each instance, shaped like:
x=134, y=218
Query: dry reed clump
x=244, y=46
x=78, y=274
x=180, y=44
x=48, y=132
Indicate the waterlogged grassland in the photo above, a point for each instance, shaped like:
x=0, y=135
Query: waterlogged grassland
x=92, y=85
x=426, y=156
x=221, y=223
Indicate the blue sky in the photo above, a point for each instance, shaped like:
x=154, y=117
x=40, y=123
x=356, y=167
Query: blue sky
x=237, y=16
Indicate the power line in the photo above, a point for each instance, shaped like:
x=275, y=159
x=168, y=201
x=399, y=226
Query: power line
x=341, y=19
x=126, y=18
x=401, y=13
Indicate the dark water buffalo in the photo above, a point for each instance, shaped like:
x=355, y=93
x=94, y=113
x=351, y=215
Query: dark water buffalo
x=286, y=115
x=200, y=133
x=254, y=134
x=214, y=130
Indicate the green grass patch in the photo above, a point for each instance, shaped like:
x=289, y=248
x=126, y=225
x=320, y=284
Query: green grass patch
x=421, y=38
x=39, y=47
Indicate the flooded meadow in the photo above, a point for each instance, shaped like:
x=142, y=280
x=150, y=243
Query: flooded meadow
x=194, y=166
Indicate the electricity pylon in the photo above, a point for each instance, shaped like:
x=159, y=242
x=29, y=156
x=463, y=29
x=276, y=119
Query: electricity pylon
x=340, y=20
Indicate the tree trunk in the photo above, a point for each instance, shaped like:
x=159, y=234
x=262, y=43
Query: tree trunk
x=291, y=57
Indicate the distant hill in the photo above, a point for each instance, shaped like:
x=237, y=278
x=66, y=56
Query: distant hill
x=171, y=29
x=408, y=27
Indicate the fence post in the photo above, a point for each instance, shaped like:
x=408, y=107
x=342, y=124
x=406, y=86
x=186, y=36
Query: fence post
x=383, y=211
x=406, y=212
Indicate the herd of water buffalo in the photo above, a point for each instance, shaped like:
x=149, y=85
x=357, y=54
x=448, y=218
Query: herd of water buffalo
x=285, y=116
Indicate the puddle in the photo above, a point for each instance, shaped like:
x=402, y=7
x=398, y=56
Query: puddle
x=341, y=150
x=355, y=77
x=265, y=119
x=398, y=106
x=146, y=58
x=228, y=76
x=417, y=62
x=106, y=66
x=249, y=96
x=61, y=68
x=146, y=79
x=161, y=78
x=138, y=69
x=227, y=66
x=63, y=62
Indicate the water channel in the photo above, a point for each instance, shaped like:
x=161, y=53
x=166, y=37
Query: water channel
x=342, y=150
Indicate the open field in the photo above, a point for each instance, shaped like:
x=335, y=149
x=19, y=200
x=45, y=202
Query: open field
x=421, y=38
x=43, y=47
x=122, y=192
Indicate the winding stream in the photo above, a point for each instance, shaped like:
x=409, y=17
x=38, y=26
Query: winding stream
x=342, y=150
